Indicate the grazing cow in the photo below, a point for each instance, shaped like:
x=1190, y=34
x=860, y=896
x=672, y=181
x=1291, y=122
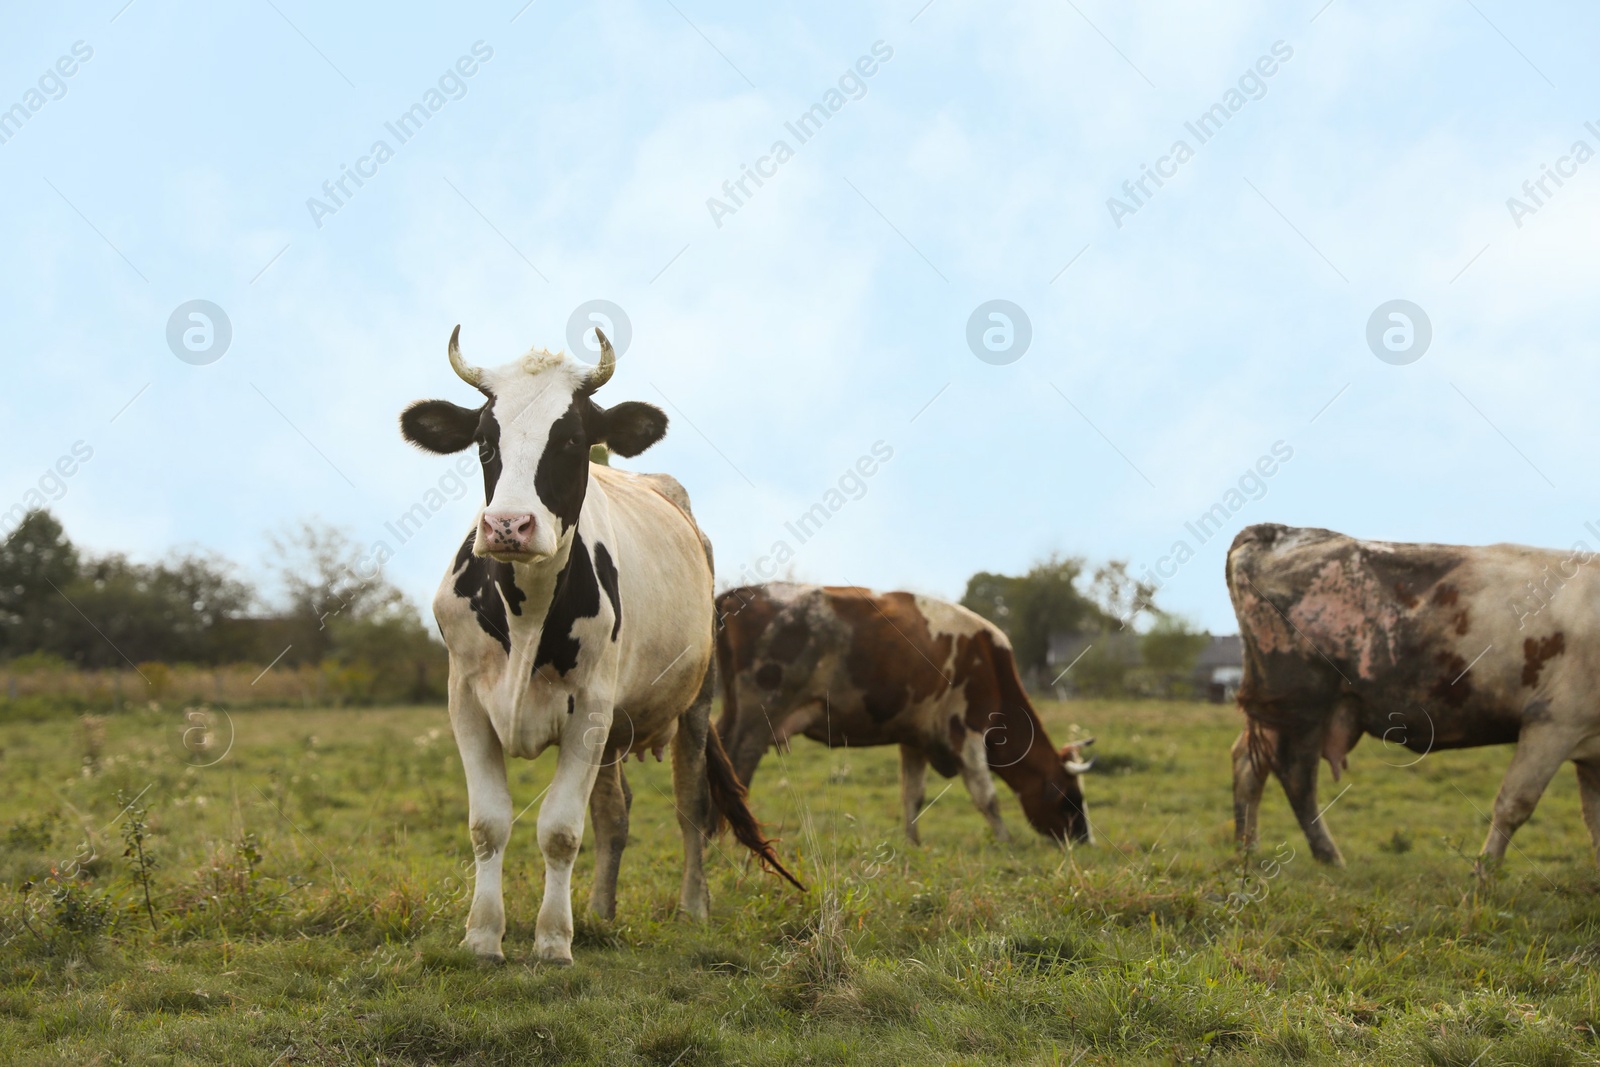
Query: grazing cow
x=1426, y=646
x=578, y=613
x=847, y=666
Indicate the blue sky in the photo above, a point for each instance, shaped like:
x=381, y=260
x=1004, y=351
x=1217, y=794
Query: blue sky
x=1228, y=313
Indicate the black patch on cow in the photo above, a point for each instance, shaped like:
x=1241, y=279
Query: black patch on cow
x=439, y=426
x=572, y=703
x=790, y=638
x=1536, y=652
x=562, y=477
x=577, y=596
x=607, y=571
x=1536, y=711
x=489, y=449
x=489, y=587
x=631, y=427
x=769, y=676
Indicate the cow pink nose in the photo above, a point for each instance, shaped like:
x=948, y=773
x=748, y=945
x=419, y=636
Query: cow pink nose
x=505, y=531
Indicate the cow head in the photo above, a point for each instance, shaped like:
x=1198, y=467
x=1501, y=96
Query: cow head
x=1074, y=763
x=533, y=434
x=1071, y=756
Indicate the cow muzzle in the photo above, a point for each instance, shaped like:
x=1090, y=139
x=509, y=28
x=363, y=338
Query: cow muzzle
x=507, y=533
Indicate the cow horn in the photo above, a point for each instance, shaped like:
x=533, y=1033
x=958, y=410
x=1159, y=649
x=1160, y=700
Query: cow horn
x=606, y=367
x=473, y=376
x=1078, y=766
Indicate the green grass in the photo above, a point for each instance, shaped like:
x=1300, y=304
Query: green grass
x=310, y=889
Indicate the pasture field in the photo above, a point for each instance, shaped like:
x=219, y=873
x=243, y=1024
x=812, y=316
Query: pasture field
x=306, y=894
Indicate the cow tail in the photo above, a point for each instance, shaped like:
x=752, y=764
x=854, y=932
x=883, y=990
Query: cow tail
x=1261, y=745
x=721, y=674
x=725, y=667
x=728, y=802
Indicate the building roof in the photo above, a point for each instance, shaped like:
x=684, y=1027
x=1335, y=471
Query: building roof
x=1225, y=650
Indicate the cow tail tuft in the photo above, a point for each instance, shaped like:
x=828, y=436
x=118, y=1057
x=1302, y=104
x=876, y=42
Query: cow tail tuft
x=1261, y=744
x=728, y=801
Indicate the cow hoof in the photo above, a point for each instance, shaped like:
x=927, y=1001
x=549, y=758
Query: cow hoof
x=487, y=950
x=556, y=953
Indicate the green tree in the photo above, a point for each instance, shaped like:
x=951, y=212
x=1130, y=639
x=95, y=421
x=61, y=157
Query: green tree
x=1169, y=651
x=168, y=611
x=324, y=579
x=1030, y=608
x=1120, y=596
x=387, y=653
x=38, y=566
x=353, y=620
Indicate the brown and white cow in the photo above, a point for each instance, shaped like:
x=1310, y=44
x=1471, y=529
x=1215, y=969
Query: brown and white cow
x=578, y=613
x=850, y=667
x=1421, y=645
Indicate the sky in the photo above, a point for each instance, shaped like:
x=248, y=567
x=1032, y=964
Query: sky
x=1182, y=339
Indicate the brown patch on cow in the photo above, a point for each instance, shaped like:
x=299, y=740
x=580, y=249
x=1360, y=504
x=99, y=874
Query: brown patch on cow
x=1018, y=749
x=1452, y=688
x=770, y=676
x=1536, y=652
x=894, y=658
x=743, y=614
x=1446, y=595
x=790, y=639
x=1411, y=570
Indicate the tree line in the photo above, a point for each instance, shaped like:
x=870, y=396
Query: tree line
x=1131, y=646
x=61, y=605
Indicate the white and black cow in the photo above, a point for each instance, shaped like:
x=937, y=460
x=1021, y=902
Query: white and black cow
x=578, y=613
x=1421, y=645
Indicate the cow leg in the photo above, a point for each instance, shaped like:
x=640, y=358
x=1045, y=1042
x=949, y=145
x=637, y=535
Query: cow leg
x=913, y=776
x=1248, y=782
x=750, y=734
x=975, y=773
x=609, y=805
x=1589, y=795
x=561, y=824
x=488, y=821
x=1297, y=770
x=692, y=798
x=1539, y=755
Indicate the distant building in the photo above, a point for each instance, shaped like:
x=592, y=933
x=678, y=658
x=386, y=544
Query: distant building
x=1218, y=669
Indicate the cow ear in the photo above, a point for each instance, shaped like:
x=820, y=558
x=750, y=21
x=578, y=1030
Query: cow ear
x=631, y=427
x=439, y=426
